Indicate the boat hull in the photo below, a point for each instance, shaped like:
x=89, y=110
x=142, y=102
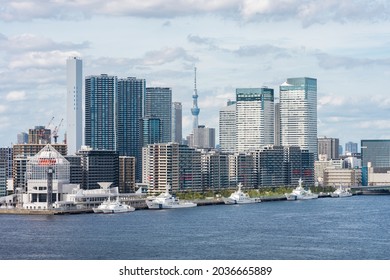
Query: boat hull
x=153, y=205
x=230, y=201
x=340, y=195
x=114, y=211
x=301, y=197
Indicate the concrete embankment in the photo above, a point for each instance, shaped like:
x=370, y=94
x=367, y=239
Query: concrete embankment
x=17, y=211
x=206, y=202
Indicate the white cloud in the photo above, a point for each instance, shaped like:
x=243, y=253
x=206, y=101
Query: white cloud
x=328, y=61
x=16, y=96
x=166, y=55
x=380, y=124
x=306, y=11
x=3, y=108
x=50, y=59
x=332, y=100
x=32, y=42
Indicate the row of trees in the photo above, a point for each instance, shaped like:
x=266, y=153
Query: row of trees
x=264, y=192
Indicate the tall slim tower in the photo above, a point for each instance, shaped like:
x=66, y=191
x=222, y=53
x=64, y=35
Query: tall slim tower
x=74, y=105
x=195, y=110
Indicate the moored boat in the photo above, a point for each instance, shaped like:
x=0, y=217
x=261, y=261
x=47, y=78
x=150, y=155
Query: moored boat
x=167, y=201
x=341, y=192
x=117, y=207
x=299, y=193
x=100, y=208
x=239, y=197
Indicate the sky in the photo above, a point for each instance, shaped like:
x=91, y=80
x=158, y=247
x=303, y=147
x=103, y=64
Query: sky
x=344, y=44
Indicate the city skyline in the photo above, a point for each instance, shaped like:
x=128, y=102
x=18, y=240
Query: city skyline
x=249, y=45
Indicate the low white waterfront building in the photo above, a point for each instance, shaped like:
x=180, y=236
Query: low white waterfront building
x=48, y=187
x=47, y=175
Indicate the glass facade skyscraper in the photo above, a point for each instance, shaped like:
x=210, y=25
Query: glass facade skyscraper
x=158, y=104
x=100, y=112
x=377, y=152
x=298, y=113
x=151, y=131
x=254, y=118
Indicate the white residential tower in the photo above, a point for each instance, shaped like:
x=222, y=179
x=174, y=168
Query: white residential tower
x=74, y=105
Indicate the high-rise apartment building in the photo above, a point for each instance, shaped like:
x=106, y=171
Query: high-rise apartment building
x=190, y=169
x=3, y=177
x=101, y=112
x=161, y=166
x=158, y=104
x=177, y=130
x=215, y=170
x=131, y=98
x=74, y=104
x=254, y=118
x=242, y=170
x=329, y=147
x=178, y=166
x=298, y=113
x=227, y=128
x=6, y=154
x=5, y=169
x=39, y=135
x=271, y=166
x=283, y=166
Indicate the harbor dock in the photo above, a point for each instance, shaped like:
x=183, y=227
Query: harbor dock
x=135, y=203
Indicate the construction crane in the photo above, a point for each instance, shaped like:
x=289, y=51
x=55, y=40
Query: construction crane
x=55, y=132
x=50, y=122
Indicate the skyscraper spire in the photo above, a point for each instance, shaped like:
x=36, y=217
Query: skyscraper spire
x=195, y=110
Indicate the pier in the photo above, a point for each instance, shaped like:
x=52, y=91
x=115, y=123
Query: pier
x=367, y=190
